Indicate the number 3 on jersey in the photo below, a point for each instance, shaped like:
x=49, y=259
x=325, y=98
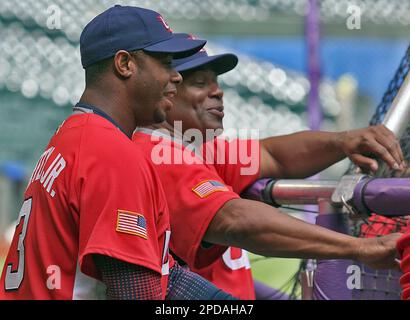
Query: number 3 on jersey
x=14, y=275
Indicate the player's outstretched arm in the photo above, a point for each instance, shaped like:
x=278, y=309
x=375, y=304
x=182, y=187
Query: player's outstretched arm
x=264, y=230
x=306, y=153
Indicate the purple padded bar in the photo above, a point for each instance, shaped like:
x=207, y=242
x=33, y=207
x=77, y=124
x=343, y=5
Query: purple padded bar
x=378, y=284
x=254, y=192
x=388, y=197
x=330, y=279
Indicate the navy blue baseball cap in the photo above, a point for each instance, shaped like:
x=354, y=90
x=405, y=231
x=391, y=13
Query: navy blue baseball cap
x=220, y=63
x=131, y=28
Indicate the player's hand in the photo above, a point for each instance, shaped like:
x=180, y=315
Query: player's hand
x=363, y=145
x=380, y=252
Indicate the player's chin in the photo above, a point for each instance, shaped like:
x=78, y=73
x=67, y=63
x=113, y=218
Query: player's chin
x=213, y=129
x=215, y=125
x=160, y=115
x=162, y=107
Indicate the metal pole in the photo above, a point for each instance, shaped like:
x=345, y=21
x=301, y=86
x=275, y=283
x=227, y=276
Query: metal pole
x=302, y=191
x=397, y=119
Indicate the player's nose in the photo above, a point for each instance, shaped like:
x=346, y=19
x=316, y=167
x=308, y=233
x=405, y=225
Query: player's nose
x=216, y=91
x=176, y=77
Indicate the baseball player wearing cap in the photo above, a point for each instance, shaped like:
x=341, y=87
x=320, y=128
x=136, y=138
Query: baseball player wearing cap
x=94, y=207
x=203, y=198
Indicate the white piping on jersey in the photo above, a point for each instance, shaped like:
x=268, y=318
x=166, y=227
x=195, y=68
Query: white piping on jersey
x=78, y=110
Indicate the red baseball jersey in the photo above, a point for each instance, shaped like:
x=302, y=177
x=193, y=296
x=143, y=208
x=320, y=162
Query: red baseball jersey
x=91, y=192
x=403, y=247
x=196, y=188
x=377, y=226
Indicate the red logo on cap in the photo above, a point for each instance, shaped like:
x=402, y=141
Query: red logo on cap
x=192, y=37
x=161, y=19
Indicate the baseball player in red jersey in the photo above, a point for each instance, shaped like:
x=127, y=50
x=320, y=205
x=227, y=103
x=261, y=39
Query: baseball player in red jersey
x=203, y=197
x=94, y=209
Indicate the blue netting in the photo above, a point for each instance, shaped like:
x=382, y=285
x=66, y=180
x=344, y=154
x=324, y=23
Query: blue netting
x=392, y=89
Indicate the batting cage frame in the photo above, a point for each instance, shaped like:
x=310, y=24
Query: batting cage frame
x=342, y=207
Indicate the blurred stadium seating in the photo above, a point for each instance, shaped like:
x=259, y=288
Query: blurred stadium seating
x=79, y=12
x=41, y=69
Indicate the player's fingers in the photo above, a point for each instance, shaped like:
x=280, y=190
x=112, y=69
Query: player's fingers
x=393, y=148
x=390, y=135
x=375, y=148
x=365, y=163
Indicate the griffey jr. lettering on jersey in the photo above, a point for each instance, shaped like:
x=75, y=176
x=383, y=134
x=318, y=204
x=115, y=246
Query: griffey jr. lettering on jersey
x=47, y=175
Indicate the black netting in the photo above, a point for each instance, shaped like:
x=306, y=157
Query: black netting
x=376, y=284
x=376, y=226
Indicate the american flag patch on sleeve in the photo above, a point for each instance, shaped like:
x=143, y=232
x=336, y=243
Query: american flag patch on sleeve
x=207, y=187
x=131, y=223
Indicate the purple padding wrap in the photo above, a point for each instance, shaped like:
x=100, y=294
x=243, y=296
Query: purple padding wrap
x=388, y=197
x=264, y=292
x=254, y=192
x=378, y=284
x=330, y=279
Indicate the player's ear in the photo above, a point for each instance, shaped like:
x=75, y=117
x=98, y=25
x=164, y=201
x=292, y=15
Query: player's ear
x=124, y=65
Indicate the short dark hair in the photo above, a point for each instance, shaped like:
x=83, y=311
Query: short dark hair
x=94, y=72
